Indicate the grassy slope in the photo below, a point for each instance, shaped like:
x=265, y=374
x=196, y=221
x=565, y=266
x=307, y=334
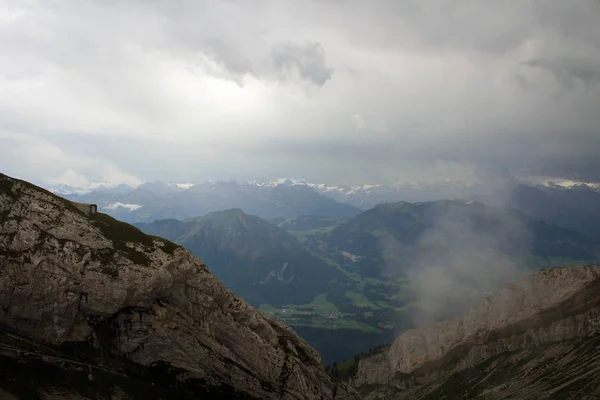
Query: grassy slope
x=353, y=301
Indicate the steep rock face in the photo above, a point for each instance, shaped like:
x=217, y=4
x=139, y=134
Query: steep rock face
x=550, y=306
x=68, y=277
x=565, y=370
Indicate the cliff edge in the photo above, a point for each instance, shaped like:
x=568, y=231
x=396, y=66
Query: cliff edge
x=560, y=306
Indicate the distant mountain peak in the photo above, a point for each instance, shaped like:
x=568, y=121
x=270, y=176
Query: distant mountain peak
x=234, y=211
x=185, y=186
x=247, y=253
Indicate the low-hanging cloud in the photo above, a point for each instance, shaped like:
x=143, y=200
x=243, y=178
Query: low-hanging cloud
x=460, y=263
x=468, y=251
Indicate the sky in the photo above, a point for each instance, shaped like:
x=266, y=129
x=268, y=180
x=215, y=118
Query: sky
x=332, y=91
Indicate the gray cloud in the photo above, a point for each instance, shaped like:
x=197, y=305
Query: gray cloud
x=337, y=91
x=468, y=253
x=309, y=61
x=233, y=60
x=569, y=70
x=280, y=64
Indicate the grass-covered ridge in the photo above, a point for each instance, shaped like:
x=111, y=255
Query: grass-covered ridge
x=121, y=233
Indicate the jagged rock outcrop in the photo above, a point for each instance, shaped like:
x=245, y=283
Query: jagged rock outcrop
x=67, y=277
x=548, y=307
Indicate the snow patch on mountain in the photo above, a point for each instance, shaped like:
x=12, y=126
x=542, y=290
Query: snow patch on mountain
x=319, y=187
x=553, y=182
x=184, y=186
x=569, y=184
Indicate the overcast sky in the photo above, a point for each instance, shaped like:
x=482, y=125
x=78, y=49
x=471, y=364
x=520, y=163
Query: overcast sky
x=334, y=91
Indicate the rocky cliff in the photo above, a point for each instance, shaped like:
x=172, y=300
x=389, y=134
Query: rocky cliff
x=549, y=307
x=89, y=282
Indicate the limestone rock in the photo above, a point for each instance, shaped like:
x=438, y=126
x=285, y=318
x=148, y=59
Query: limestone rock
x=70, y=277
x=550, y=306
x=568, y=369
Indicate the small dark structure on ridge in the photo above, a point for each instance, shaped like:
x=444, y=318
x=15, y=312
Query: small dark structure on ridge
x=87, y=209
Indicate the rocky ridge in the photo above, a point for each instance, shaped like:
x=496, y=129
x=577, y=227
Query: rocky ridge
x=557, y=370
x=69, y=279
x=551, y=306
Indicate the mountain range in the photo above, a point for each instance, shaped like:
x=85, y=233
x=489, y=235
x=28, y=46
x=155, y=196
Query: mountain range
x=364, y=275
x=366, y=278
x=393, y=233
x=92, y=308
x=269, y=267
x=258, y=260
x=158, y=200
x=575, y=206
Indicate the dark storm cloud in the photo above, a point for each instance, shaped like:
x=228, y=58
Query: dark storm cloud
x=284, y=59
x=232, y=58
x=309, y=60
x=569, y=70
x=447, y=25
x=342, y=91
